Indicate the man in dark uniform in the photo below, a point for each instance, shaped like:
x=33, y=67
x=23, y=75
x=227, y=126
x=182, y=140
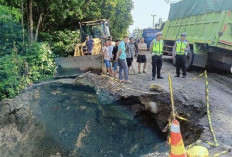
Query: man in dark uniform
x=180, y=52
x=156, y=49
x=89, y=44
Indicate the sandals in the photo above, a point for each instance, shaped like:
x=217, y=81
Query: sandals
x=128, y=82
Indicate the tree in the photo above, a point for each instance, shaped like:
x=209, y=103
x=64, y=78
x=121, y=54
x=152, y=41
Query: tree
x=55, y=25
x=137, y=33
x=30, y=20
x=10, y=32
x=14, y=53
x=120, y=17
x=58, y=15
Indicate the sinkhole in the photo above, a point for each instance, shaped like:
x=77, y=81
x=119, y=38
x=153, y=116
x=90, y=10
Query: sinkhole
x=76, y=120
x=81, y=121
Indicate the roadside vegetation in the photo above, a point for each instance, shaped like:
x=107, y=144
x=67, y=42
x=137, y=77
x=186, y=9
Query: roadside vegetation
x=34, y=32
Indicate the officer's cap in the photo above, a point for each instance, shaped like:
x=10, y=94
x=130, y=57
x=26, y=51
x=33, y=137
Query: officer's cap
x=159, y=34
x=183, y=34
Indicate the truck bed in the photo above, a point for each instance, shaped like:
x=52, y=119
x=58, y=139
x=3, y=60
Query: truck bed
x=214, y=29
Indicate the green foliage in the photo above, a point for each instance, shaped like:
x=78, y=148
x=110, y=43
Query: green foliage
x=40, y=62
x=119, y=16
x=10, y=63
x=138, y=33
x=14, y=75
x=10, y=32
x=62, y=42
x=59, y=20
x=10, y=80
x=59, y=15
x=118, y=12
x=9, y=14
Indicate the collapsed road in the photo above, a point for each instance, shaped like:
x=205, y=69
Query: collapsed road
x=95, y=116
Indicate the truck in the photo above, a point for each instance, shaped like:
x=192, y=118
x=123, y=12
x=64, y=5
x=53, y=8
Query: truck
x=208, y=24
x=149, y=34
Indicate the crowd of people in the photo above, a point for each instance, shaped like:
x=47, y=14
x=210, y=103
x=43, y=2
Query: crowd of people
x=122, y=55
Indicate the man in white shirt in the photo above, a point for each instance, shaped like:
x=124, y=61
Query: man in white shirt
x=142, y=48
x=106, y=56
x=110, y=48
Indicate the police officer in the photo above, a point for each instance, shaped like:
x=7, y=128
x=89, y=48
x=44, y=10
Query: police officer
x=156, y=49
x=180, y=52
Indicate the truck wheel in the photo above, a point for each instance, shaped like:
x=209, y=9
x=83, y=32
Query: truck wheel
x=174, y=60
x=189, y=62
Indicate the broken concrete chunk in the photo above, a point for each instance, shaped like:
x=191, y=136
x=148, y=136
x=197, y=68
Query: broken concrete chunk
x=153, y=107
x=156, y=87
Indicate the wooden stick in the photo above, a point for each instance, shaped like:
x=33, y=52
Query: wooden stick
x=171, y=96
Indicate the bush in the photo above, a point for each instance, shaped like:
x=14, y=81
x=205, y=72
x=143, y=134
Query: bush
x=10, y=81
x=40, y=62
x=20, y=64
x=11, y=30
x=62, y=42
x=16, y=74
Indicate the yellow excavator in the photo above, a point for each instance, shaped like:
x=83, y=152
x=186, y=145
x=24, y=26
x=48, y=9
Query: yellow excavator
x=98, y=30
x=81, y=62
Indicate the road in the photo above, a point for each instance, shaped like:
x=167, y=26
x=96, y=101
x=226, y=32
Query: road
x=193, y=93
x=62, y=97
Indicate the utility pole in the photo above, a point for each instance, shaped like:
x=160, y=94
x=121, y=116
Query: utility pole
x=153, y=21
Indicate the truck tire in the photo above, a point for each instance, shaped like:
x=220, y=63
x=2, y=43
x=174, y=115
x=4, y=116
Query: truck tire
x=174, y=60
x=189, y=61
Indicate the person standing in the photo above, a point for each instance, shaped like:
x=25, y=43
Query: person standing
x=106, y=56
x=121, y=57
x=156, y=49
x=130, y=52
x=136, y=48
x=115, y=61
x=180, y=52
x=142, y=48
x=89, y=44
x=110, y=48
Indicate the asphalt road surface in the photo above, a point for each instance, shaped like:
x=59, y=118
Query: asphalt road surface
x=193, y=93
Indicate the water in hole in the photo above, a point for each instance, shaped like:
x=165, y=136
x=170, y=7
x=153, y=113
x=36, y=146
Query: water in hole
x=78, y=121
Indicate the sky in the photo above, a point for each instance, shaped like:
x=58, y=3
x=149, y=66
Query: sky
x=143, y=9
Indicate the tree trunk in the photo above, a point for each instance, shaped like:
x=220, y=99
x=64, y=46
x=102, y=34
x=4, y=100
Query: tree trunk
x=22, y=22
x=28, y=22
x=38, y=26
x=31, y=37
